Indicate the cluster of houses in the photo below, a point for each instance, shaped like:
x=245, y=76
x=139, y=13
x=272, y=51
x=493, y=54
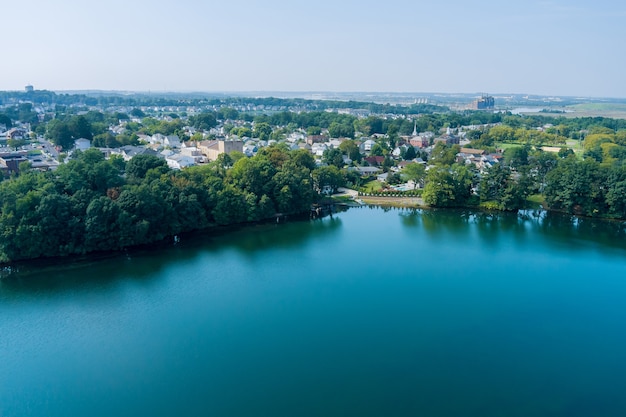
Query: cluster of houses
x=178, y=154
x=10, y=161
x=181, y=154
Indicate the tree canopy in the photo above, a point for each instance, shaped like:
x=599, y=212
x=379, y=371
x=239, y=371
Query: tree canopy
x=94, y=204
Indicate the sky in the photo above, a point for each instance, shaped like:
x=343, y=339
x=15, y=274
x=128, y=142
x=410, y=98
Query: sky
x=560, y=48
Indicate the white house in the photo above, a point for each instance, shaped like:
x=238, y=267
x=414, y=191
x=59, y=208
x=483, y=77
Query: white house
x=157, y=139
x=173, y=141
x=367, y=145
x=194, y=153
x=318, y=149
x=178, y=161
x=82, y=144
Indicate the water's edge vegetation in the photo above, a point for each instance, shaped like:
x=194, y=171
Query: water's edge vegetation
x=96, y=205
x=92, y=204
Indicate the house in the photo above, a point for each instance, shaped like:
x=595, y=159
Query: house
x=402, y=164
x=179, y=161
x=144, y=138
x=16, y=133
x=250, y=150
x=312, y=139
x=40, y=163
x=374, y=160
x=365, y=171
x=367, y=145
x=194, y=153
x=213, y=148
x=447, y=139
x=334, y=143
x=10, y=161
x=157, y=139
x=173, y=141
x=128, y=152
x=420, y=141
x=166, y=153
x=399, y=150
x=296, y=137
x=318, y=149
x=82, y=144
x=470, y=151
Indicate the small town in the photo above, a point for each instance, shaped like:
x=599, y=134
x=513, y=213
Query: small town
x=377, y=155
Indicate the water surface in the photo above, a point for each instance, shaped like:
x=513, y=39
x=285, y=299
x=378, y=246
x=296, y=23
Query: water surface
x=370, y=313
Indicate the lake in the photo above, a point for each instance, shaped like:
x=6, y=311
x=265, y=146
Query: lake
x=372, y=312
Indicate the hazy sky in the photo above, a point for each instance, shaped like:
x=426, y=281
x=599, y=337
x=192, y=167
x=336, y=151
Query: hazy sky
x=556, y=47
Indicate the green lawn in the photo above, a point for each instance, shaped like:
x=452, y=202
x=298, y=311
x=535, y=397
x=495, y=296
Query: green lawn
x=506, y=145
x=574, y=145
x=536, y=200
x=608, y=107
x=372, y=186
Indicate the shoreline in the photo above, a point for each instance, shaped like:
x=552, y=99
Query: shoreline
x=404, y=202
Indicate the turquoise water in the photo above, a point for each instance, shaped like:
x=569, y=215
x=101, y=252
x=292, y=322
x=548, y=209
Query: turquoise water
x=368, y=313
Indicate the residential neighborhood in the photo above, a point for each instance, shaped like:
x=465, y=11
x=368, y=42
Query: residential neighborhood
x=376, y=154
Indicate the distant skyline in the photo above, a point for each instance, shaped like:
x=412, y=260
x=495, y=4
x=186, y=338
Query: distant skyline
x=564, y=48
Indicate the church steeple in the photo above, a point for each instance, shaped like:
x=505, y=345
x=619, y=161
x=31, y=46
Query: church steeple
x=415, y=128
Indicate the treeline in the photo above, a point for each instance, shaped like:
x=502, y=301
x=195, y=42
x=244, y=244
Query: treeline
x=345, y=125
x=589, y=187
x=539, y=130
x=202, y=99
x=94, y=204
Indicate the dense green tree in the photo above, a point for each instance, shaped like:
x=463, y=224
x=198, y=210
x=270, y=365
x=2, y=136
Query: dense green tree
x=616, y=192
x=378, y=150
x=409, y=153
x=328, y=177
x=516, y=156
x=439, y=190
x=227, y=113
x=448, y=187
x=231, y=206
x=138, y=166
x=253, y=175
x=415, y=172
x=370, y=125
x=6, y=121
x=577, y=187
x=313, y=130
x=303, y=158
x=333, y=156
x=499, y=187
x=443, y=154
x=80, y=128
x=502, y=133
x=136, y=112
x=351, y=149
x=16, y=143
x=262, y=131
x=341, y=130
x=299, y=194
x=242, y=132
x=203, y=121
x=60, y=134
